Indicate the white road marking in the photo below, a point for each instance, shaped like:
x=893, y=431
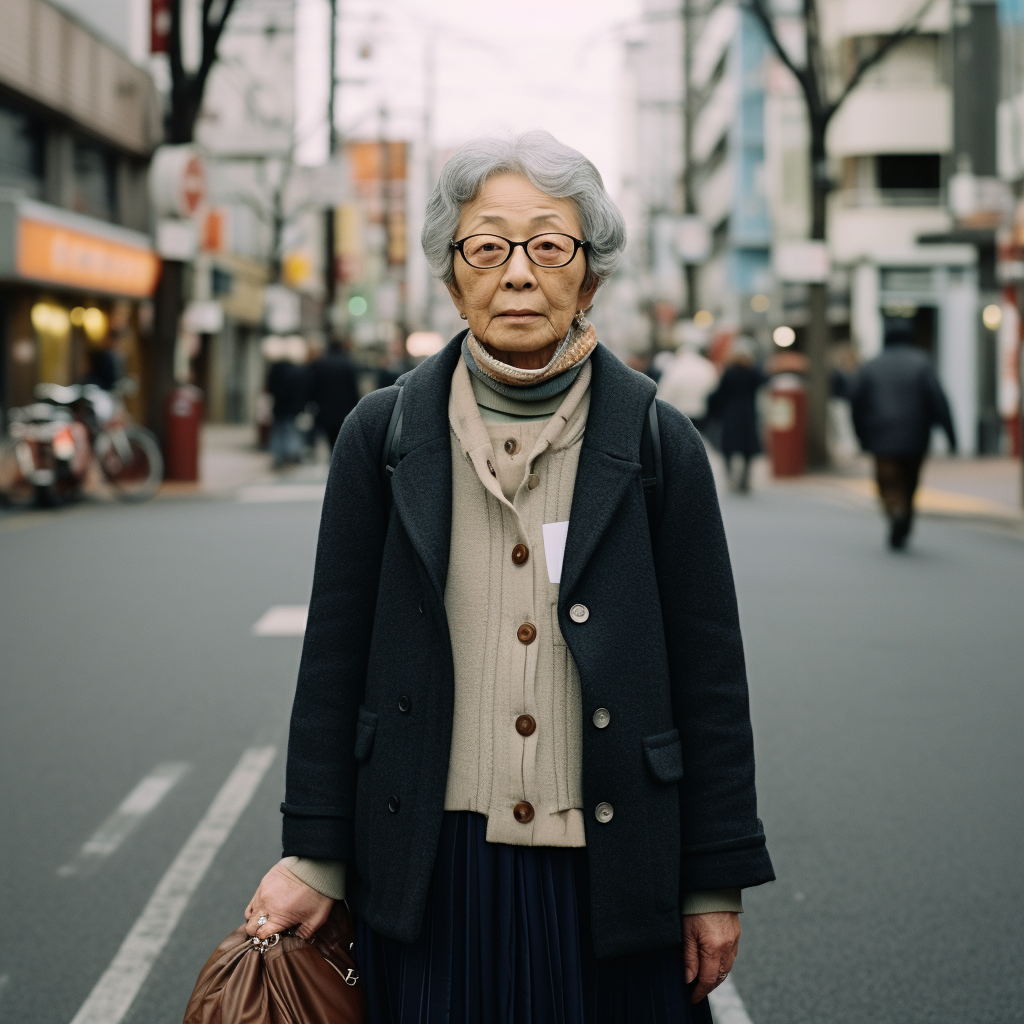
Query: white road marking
x=727, y=1006
x=264, y=493
x=135, y=806
x=117, y=988
x=5, y=980
x=282, y=620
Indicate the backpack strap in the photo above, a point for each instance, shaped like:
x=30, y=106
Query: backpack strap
x=390, y=457
x=652, y=474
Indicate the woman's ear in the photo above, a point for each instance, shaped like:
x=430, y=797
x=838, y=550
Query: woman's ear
x=588, y=290
x=453, y=291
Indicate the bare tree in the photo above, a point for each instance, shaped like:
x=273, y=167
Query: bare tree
x=187, y=87
x=814, y=80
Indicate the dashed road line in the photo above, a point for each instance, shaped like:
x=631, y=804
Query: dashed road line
x=727, y=1005
x=282, y=620
x=117, y=988
x=135, y=806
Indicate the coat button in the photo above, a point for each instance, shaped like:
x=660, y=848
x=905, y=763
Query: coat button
x=602, y=718
x=404, y=704
x=526, y=725
x=423, y=606
x=533, y=480
x=523, y=812
x=511, y=446
x=604, y=812
x=527, y=633
x=393, y=804
x=520, y=553
x=579, y=613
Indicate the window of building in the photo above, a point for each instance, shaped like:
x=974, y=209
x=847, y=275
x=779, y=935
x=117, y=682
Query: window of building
x=95, y=180
x=22, y=151
x=918, y=171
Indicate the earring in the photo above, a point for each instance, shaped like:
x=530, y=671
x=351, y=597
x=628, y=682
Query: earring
x=578, y=319
x=464, y=317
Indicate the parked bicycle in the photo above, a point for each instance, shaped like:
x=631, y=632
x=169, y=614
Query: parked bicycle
x=69, y=429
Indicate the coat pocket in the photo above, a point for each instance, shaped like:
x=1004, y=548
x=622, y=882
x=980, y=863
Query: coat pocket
x=664, y=756
x=366, y=730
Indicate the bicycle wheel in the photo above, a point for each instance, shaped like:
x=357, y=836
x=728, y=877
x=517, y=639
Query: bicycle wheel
x=137, y=476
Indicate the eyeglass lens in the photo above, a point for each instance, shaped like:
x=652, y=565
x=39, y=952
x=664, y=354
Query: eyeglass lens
x=550, y=250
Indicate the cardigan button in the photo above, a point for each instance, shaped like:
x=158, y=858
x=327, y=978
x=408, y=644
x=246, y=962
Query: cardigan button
x=393, y=804
x=523, y=812
x=527, y=633
x=520, y=553
x=604, y=812
x=533, y=480
x=526, y=725
x=602, y=718
x=404, y=704
x=579, y=613
x=511, y=446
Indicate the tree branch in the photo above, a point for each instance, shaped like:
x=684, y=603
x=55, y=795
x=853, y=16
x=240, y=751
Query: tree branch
x=909, y=28
x=758, y=9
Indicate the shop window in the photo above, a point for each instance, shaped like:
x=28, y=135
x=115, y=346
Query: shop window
x=22, y=151
x=95, y=180
x=917, y=171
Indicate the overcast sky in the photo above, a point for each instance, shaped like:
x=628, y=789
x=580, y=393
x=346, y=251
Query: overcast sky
x=499, y=66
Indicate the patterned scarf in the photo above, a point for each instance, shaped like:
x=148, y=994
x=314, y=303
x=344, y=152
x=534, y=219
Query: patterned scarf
x=577, y=345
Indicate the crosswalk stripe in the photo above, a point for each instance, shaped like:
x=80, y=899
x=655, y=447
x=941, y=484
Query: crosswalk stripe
x=727, y=1005
x=113, y=994
x=136, y=805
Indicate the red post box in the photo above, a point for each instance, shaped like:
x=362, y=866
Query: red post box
x=183, y=416
x=787, y=425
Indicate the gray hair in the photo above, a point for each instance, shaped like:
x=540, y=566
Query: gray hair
x=556, y=169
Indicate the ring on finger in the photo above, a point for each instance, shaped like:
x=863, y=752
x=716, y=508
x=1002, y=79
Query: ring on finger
x=262, y=920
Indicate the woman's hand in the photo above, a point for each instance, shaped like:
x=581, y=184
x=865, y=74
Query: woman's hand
x=286, y=902
x=710, y=942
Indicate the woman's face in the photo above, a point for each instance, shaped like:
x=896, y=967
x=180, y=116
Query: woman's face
x=519, y=307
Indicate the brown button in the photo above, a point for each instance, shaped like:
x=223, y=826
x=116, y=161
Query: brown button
x=523, y=812
x=526, y=725
x=527, y=633
x=511, y=446
x=520, y=553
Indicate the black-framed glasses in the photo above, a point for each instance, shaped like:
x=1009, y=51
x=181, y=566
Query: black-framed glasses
x=551, y=250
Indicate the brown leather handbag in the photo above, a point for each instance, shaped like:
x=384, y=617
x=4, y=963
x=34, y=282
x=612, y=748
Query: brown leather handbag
x=283, y=979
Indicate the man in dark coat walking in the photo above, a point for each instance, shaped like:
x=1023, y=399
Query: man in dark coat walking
x=334, y=388
x=735, y=404
x=895, y=402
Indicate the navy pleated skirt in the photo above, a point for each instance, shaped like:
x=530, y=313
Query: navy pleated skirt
x=506, y=940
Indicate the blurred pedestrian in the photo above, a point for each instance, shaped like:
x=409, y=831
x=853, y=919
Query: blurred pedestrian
x=735, y=403
x=288, y=387
x=398, y=362
x=895, y=402
x=334, y=387
x=689, y=382
x=466, y=762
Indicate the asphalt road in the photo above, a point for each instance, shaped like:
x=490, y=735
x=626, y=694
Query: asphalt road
x=887, y=700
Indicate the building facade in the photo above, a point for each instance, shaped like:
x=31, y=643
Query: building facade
x=78, y=123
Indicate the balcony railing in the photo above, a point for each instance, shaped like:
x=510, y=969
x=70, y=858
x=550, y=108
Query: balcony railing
x=873, y=198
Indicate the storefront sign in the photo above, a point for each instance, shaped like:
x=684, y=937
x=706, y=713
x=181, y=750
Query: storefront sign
x=62, y=255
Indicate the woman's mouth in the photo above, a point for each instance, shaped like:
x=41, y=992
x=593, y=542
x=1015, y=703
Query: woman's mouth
x=518, y=314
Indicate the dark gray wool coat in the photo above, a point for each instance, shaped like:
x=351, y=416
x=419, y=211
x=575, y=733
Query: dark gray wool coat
x=372, y=721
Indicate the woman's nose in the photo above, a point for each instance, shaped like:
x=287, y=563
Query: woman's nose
x=519, y=272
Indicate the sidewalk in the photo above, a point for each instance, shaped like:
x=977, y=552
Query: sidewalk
x=230, y=463
x=982, y=488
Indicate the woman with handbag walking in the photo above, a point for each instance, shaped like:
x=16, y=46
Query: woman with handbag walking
x=520, y=745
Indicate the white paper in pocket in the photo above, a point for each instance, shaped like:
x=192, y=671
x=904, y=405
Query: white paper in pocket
x=554, y=548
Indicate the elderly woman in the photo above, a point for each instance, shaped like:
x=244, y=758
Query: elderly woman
x=520, y=745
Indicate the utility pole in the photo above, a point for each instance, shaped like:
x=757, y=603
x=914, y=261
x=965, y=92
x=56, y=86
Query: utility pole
x=429, y=98
x=330, y=270
x=689, y=203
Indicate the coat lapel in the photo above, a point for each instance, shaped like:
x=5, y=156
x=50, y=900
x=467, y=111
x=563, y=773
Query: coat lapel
x=421, y=487
x=609, y=459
